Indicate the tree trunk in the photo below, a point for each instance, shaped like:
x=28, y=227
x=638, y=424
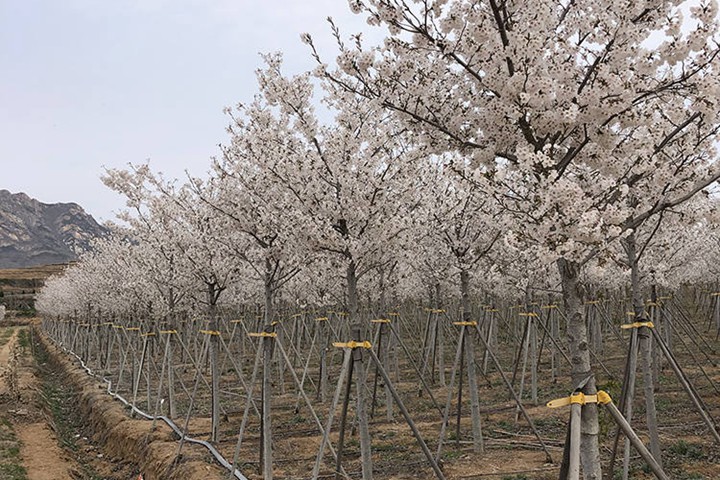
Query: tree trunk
x=324, y=342
x=580, y=367
x=478, y=443
x=352, y=293
x=267, y=452
x=360, y=377
x=644, y=345
x=269, y=311
x=465, y=295
x=214, y=364
x=383, y=294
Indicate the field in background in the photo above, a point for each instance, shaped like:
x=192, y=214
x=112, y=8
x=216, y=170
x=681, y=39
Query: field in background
x=18, y=286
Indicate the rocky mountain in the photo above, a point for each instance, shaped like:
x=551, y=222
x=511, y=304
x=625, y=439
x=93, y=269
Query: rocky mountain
x=35, y=233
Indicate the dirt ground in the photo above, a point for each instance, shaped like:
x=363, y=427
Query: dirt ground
x=39, y=456
x=40, y=438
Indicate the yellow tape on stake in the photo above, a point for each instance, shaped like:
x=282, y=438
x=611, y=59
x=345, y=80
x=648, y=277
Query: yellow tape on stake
x=262, y=334
x=637, y=325
x=321, y=319
x=380, y=320
x=352, y=344
x=210, y=332
x=168, y=332
x=528, y=314
x=237, y=321
x=149, y=334
x=465, y=324
x=580, y=398
x=132, y=329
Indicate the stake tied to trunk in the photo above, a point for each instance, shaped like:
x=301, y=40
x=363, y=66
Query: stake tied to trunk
x=579, y=397
x=352, y=344
x=628, y=326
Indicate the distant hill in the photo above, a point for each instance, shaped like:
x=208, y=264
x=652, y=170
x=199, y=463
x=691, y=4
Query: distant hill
x=34, y=233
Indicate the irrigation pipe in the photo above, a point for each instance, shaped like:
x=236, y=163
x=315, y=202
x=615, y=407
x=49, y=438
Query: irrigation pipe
x=218, y=456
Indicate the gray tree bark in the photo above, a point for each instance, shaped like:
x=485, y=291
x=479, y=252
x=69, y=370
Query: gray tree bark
x=644, y=345
x=360, y=377
x=581, y=367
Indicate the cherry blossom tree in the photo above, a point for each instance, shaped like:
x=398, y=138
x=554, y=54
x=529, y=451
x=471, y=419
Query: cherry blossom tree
x=202, y=240
x=467, y=223
x=566, y=106
x=348, y=182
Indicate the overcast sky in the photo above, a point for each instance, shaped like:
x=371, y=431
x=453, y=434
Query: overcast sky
x=87, y=84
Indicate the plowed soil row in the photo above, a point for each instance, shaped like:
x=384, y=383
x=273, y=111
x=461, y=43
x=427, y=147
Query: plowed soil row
x=57, y=423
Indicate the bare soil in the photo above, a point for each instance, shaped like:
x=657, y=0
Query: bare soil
x=41, y=456
x=54, y=427
x=114, y=446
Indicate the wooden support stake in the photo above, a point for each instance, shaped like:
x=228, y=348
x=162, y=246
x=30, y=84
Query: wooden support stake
x=636, y=442
x=408, y=419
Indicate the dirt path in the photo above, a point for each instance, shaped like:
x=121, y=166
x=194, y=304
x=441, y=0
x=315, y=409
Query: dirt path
x=31, y=450
x=41, y=456
x=5, y=350
x=56, y=425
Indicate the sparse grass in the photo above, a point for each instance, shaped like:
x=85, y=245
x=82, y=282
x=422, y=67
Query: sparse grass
x=23, y=338
x=10, y=465
x=389, y=447
x=12, y=471
x=5, y=335
x=505, y=425
x=687, y=450
x=298, y=419
x=56, y=400
x=451, y=454
x=663, y=404
x=549, y=422
x=59, y=399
